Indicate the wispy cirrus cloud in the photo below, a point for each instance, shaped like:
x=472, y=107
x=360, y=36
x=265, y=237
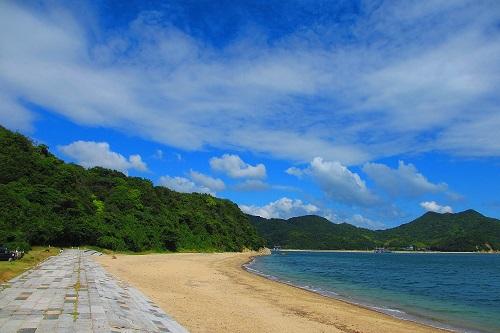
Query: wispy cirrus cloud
x=255, y=185
x=252, y=185
x=387, y=89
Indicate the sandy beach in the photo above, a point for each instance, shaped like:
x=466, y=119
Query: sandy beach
x=210, y=292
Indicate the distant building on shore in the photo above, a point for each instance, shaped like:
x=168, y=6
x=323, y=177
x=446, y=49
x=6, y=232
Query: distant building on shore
x=381, y=250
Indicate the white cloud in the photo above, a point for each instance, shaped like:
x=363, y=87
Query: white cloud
x=282, y=208
x=476, y=137
x=364, y=222
x=137, y=163
x=403, y=181
x=158, y=154
x=285, y=208
x=433, y=206
x=13, y=115
x=214, y=184
x=235, y=167
x=90, y=154
x=356, y=219
x=339, y=183
x=388, y=81
x=294, y=171
x=184, y=185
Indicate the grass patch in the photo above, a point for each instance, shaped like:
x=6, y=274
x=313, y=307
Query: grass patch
x=112, y=252
x=9, y=270
x=77, y=290
x=152, y=251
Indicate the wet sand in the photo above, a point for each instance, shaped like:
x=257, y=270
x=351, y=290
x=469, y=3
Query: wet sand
x=210, y=292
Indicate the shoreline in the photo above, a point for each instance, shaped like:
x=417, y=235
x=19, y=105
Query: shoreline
x=215, y=293
x=371, y=251
x=334, y=296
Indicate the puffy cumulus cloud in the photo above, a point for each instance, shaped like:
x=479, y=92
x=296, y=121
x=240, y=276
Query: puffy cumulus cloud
x=364, y=222
x=197, y=182
x=156, y=81
x=137, y=163
x=282, y=208
x=294, y=171
x=235, y=167
x=339, y=183
x=90, y=154
x=214, y=184
x=433, y=206
x=403, y=181
x=184, y=185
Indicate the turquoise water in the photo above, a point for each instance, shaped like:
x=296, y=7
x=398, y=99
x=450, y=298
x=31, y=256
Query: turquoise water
x=457, y=291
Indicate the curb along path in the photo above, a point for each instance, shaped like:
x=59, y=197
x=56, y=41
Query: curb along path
x=72, y=293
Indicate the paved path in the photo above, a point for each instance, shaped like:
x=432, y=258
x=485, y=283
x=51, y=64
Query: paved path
x=72, y=293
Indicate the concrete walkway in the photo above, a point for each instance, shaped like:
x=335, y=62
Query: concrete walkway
x=72, y=293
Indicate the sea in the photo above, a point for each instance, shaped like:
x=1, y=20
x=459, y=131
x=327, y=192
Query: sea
x=455, y=291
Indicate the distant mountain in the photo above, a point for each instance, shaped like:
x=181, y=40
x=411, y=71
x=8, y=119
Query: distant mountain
x=44, y=201
x=313, y=232
x=464, y=231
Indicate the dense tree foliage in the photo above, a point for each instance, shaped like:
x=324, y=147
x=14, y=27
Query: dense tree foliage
x=44, y=201
x=465, y=231
x=313, y=232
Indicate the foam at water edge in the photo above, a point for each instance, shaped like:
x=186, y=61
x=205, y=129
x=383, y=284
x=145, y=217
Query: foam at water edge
x=388, y=311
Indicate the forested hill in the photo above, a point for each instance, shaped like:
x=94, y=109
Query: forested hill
x=313, y=232
x=46, y=201
x=464, y=231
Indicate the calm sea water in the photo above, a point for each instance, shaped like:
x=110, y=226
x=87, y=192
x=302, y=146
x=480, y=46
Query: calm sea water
x=457, y=291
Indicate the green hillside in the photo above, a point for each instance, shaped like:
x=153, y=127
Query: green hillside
x=313, y=232
x=465, y=231
x=46, y=201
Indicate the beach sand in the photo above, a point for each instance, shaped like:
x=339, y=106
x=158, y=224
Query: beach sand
x=210, y=292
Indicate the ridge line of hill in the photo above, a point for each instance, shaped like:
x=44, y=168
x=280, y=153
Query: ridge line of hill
x=467, y=231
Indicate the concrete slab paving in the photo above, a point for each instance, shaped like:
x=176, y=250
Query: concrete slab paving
x=73, y=293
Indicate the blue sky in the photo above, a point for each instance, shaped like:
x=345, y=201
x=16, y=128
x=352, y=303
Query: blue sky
x=370, y=112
